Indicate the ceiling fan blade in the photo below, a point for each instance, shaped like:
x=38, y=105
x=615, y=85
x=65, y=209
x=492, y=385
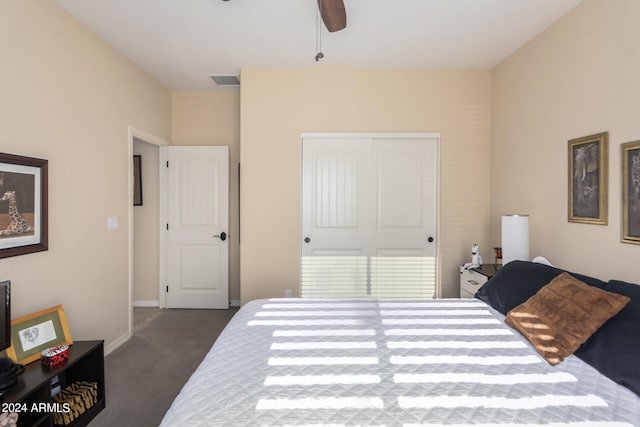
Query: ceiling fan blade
x=333, y=14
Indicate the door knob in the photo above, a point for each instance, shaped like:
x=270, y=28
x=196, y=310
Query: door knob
x=307, y=240
x=222, y=236
x=430, y=239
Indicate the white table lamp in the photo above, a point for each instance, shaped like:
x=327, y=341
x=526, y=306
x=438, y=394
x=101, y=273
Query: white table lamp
x=515, y=238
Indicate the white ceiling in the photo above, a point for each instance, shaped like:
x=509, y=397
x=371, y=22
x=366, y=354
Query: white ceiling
x=182, y=42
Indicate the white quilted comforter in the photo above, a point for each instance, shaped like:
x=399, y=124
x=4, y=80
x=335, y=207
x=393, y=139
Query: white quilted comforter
x=304, y=362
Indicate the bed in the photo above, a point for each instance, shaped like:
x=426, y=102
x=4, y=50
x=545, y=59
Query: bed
x=387, y=362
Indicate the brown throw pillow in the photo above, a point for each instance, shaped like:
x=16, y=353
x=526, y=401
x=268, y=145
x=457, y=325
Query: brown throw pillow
x=563, y=314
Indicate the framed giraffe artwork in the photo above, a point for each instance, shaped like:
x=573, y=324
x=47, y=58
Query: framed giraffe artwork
x=23, y=205
x=631, y=192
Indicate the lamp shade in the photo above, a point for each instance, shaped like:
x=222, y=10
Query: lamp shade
x=515, y=238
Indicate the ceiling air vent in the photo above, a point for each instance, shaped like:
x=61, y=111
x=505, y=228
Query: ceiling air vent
x=227, y=80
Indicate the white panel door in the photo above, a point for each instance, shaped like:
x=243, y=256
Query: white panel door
x=198, y=222
x=403, y=237
x=336, y=223
x=369, y=217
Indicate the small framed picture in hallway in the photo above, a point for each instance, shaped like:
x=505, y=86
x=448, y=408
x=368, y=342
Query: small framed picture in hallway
x=137, y=180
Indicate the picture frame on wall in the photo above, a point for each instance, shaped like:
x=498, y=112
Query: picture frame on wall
x=23, y=205
x=588, y=182
x=137, y=180
x=38, y=331
x=631, y=192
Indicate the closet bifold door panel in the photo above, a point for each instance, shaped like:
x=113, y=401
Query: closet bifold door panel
x=368, y=220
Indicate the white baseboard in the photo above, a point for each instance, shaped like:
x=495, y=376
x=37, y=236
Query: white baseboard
x=146, y=303
x=151, y=303
x=116, y=343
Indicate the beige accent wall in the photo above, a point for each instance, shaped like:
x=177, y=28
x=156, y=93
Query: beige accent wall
x=277, y=105
x=146, y=223
x=69, y=97
x=578, y=78
x=213, y=118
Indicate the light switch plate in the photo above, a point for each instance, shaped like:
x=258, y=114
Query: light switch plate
x=112, y=223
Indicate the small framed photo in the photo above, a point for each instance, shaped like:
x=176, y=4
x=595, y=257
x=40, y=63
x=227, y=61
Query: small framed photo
x=588, y=179
x=631, y=192
x=137, y=180
x=38, y=331
x=23, y=205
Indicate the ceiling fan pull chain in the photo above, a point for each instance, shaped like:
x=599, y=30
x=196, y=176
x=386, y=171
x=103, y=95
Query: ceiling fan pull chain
x=319, y=54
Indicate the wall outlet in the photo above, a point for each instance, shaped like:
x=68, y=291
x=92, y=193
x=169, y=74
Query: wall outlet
x=288, y=293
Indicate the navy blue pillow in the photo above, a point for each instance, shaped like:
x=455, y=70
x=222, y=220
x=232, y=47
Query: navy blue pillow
x=518, y=281
x=515, y=283
x=614, y=349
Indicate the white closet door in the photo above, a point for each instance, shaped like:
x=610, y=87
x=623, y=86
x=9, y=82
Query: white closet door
x=403, y=243
x=336, y=218
x=369, y=217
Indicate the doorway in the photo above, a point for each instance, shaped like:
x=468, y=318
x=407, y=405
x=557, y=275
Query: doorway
x=150, y=144
x=369, y=215
x=146, y=222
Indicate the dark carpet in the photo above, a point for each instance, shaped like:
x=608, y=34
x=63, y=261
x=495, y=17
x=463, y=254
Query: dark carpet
x=146, y=373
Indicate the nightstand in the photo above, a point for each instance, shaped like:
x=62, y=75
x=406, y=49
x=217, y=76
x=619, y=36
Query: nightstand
x=473, y=278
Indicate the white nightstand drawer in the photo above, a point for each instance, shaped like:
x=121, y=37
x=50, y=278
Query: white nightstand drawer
x=465, y=294
x=470, y=282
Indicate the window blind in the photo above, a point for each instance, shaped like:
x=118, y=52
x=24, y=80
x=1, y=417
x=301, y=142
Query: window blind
x=362, y=277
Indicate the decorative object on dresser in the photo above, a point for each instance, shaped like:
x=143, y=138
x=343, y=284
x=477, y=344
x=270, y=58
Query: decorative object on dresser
x=588, y=179
x=55, y=356
x=38, y=331
x=515, y=238
x=472, y=279
x=476, y=259
x=497, y=253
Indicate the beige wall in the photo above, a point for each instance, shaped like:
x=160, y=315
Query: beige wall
x=146, y=223
x=578, y=78
x=69, y=97
x=277, y=105
x=213, y=118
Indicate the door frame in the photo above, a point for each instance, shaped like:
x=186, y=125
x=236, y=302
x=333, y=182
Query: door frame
x=388, y=135
x=160, y=142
